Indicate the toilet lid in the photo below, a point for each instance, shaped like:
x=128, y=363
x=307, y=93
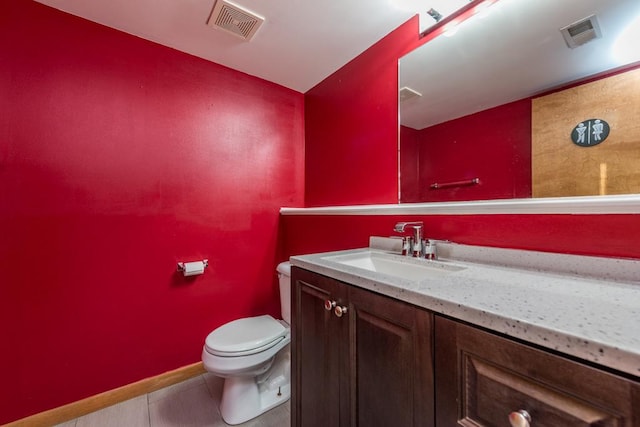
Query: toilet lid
x=244, y=335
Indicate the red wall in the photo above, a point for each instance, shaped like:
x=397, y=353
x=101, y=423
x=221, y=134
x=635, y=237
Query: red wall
x=409, y=165
x=118, y=158
x=351, y=127
x=575, y=234
x=493, y=145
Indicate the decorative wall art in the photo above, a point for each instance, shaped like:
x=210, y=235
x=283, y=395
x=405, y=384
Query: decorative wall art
x=590, y=132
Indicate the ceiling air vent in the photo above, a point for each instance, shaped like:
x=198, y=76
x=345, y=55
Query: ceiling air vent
x=235, y=19
x=581, y=32
x=407, y=93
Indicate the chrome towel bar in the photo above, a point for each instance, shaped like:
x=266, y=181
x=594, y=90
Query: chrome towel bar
x=437, y=186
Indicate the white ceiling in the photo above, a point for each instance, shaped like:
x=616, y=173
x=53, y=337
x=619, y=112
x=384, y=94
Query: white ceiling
x=300, y=43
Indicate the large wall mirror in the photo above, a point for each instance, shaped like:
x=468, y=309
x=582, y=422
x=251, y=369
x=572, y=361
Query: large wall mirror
x=509, y=106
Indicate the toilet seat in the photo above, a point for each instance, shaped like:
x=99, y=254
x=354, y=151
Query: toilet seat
x=246, y=336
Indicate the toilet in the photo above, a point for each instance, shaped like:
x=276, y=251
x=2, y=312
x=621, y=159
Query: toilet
x=252, y=355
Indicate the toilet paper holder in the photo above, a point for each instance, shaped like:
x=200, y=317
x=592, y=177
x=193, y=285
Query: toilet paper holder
x=193, y=268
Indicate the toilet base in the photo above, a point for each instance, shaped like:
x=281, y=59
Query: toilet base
x=244, y=398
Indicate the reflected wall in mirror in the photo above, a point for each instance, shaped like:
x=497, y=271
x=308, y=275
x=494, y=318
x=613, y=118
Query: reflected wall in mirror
x=474, y=116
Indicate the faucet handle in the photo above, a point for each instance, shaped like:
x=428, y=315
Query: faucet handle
x=407, y=246
x=429, y=248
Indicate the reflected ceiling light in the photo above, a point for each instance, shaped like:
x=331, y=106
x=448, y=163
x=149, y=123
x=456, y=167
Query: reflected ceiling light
x=482, y=10
x=450, y=29
x=479, y=11
x=625, y=48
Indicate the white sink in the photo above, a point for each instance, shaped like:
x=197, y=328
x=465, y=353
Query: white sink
x=396, y=265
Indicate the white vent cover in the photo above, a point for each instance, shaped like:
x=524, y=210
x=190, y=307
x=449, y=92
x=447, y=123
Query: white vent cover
x=408, y=93
x=235, y=19
x=581, y=32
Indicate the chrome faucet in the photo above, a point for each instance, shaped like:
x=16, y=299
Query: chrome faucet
x=413, y=245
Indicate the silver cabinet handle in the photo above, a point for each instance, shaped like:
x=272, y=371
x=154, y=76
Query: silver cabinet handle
x=328, y=305
x=520, y=418
x=340, y=310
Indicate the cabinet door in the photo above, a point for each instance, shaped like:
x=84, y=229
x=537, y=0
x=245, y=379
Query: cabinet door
x=482, y=378
x=318, y=342
x=391, y=369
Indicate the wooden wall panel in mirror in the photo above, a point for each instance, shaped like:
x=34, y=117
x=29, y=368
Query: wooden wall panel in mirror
x=472, y=117
x=561, y=167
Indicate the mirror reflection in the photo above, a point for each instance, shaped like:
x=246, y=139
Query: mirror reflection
x=493, y=109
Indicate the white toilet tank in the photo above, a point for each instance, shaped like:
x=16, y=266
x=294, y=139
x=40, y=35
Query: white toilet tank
x=284, y=277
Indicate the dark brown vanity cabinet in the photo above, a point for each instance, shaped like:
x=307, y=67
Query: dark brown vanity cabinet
x=363, y=359
x=483, y=379
x=358, y=358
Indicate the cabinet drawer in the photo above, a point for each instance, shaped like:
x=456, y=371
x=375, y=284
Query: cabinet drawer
x=481, y=378
x=492, y=392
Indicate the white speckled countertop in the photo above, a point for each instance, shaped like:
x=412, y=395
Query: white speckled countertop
x=587, y=307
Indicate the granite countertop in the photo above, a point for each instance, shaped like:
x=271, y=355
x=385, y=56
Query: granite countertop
x=587, y=307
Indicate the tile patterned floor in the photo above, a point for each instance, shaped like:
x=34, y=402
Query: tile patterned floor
x=192, y=403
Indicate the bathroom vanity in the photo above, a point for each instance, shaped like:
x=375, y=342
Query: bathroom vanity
x=482, y=337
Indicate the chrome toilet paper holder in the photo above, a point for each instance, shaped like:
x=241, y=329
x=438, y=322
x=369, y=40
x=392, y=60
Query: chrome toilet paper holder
x=181, y=265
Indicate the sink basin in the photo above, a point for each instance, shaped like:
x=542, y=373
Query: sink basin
x=396, y=265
